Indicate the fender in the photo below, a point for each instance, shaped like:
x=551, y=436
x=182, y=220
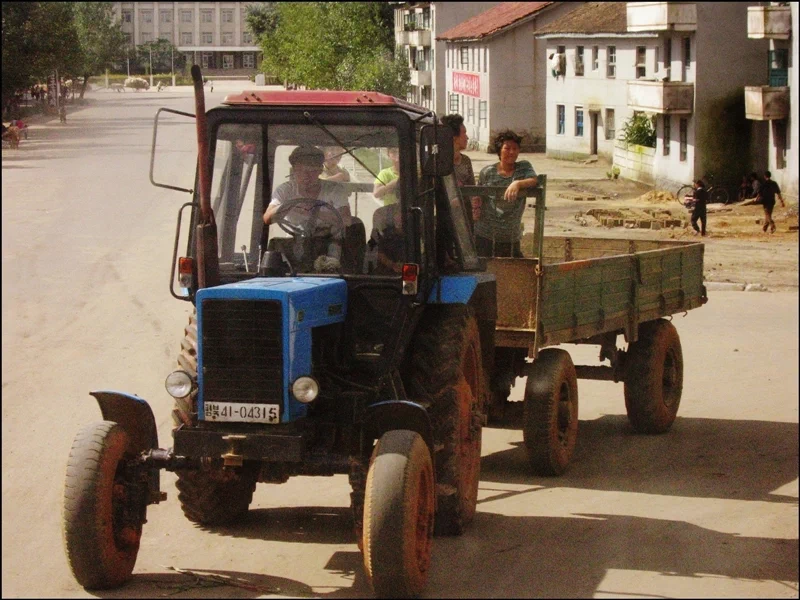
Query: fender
x=398, y=414
x=457, y=289
x=133, y=414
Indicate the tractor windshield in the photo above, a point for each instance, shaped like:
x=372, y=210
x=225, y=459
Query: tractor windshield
x=286, y=188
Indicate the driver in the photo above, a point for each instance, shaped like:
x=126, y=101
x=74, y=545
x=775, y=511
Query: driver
x=307, y=165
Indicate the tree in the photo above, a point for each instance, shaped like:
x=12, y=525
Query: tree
x=163, y=55
x=102, y=41
x=334, y=45
x=261, y=19
x=639, y=130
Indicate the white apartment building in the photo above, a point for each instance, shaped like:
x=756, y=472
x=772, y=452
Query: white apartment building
x=683, y=63
x=773, y=107
x=415, y=29
x=496, y=72
x=213, y=35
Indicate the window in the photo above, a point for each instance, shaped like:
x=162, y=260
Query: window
x=247, y=37
x=610, y=131
x=186, y=38
x=426, y=95
x=579, y=62
x=146, y=37
x=227, y=61
x=248, y=60
x=560, y=119
x=227, y=15
x=186, y=16
x=479, y=51
x=687, y=58
x=208, y=37
x=207, y=60
x=166, y=16
x=453, y=103
x=668, y=56
x=641, y=67
x=561, y=49
x=595, y=58
x=165, y=35
x=778, y=67
x=464, y=56
x=127, y=16
x=426, y=18
x=482, y=117
x=227, y=38
x=472, y=60
x=206, y=16
x=666, y=134
x=129, y=38
x=471, y=111
x=579, y=121
x=684, y=138
x=147, y=16
x=611, y=61
x=485, y=58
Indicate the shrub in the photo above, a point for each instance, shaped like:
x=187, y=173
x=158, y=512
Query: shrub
x=639, y=130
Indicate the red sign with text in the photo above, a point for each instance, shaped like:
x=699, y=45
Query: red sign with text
x=467, y=84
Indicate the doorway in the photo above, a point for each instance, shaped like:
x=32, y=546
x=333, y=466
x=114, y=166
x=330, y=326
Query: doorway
x=593, y=132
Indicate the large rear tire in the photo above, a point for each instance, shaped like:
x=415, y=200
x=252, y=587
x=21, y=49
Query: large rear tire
x=102, y=515
x=399, y=515
x=654, y=377
x=550, y=422
x=448, y=378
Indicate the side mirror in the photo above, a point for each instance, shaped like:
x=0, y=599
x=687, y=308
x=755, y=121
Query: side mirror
x=436, y=150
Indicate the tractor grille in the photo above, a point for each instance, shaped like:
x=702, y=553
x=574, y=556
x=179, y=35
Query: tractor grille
x=242, y=351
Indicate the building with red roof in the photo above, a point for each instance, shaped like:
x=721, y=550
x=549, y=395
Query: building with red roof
x=496, y=72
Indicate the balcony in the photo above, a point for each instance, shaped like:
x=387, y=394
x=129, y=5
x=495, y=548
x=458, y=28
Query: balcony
x=765, y=103
x=420, y=78
x=419, y=37
x=661, y=97
x=402, y=38
x=661, y=16
x=769, y=22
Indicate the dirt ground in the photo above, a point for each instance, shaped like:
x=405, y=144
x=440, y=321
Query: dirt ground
x=737, y=250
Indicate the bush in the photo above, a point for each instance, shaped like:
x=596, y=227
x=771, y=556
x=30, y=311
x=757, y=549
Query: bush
x=639, y=130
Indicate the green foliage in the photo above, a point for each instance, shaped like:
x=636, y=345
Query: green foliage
x=334, y=45
x=639, y=130
x=163, y=53
x=261, y=18
x=102, y=41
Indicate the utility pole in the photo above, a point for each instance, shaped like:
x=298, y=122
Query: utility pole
x=127, y=56
x=150, y=47
x=172, y=63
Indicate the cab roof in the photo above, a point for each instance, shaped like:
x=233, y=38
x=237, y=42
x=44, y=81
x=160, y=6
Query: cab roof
x=319, y=98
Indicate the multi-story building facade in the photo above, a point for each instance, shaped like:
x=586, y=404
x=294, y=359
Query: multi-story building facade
x=773, y=107
x=415, y=28
x=496, y=72
x=682, y=63
x=213, y=35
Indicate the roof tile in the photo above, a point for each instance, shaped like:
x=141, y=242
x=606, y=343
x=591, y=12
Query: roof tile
x=492, y=21
x=592, y=17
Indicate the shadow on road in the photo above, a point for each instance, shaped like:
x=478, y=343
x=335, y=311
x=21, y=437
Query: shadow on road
x=698, y=458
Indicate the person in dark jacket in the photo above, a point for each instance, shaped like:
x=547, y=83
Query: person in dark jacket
x=767, y=192
x=699, y=210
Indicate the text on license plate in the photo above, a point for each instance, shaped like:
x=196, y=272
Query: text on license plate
x=242, y=413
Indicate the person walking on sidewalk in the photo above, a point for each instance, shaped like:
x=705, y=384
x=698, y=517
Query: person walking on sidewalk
x=767, y=192
x=62, y=113
x=699, y=210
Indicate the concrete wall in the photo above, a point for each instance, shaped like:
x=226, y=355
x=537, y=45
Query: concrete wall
x=788, y=180
x=635, y=162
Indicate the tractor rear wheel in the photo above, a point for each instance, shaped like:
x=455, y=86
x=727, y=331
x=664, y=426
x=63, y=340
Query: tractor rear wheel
x=103, y=514
x=550, y=424
x=448, y=378
x=398, y=515
x=654, y=377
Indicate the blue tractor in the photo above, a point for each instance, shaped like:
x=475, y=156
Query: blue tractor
x=342, y=326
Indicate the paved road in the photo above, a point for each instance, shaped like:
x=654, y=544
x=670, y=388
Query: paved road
x=709, y=509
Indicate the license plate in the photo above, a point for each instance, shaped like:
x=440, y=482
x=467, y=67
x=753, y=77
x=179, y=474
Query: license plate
x=242, y=413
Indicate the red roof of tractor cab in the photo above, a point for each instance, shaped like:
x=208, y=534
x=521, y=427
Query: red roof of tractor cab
x=318, y=98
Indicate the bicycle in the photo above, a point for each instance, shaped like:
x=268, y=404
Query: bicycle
x=716, y=194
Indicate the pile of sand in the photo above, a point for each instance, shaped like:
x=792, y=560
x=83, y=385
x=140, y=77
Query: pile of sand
x=657, y=197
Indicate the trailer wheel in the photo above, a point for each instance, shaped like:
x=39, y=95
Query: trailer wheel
x=103, y=514
x=550, y=422
x=654, y=377
x=448, y=378
x=398, y=515
x=215, y=497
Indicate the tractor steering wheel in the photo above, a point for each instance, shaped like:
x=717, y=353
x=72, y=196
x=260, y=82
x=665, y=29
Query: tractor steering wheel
x=306, y=228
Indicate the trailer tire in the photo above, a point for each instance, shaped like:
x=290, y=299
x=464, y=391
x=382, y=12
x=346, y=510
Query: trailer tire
x=654, y=377
x=101, y=548
x=399, y=515
x=550, y=422
x=448, y=378
x=215, y=497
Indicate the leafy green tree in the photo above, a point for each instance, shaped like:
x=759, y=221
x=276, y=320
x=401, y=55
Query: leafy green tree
x=102, y=41
x=334, y=45
x=261, y=18
x=163, y=55
x=639, y=130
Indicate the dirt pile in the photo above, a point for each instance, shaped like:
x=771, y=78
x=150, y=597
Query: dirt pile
x=657, y=197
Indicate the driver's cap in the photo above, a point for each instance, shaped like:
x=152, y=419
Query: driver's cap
x=307, y=155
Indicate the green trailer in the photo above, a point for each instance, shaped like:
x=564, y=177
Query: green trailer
x=588, y=291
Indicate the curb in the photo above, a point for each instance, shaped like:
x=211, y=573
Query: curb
x=725, y=286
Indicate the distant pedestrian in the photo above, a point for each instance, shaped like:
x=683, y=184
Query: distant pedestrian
x=767, y=192
x=699, y=210
x=62, y=113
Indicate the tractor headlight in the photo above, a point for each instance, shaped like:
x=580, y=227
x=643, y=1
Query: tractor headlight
x=305, y=389
x=178, y=384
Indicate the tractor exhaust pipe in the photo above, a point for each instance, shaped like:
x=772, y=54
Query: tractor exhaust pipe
x=206, y=238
